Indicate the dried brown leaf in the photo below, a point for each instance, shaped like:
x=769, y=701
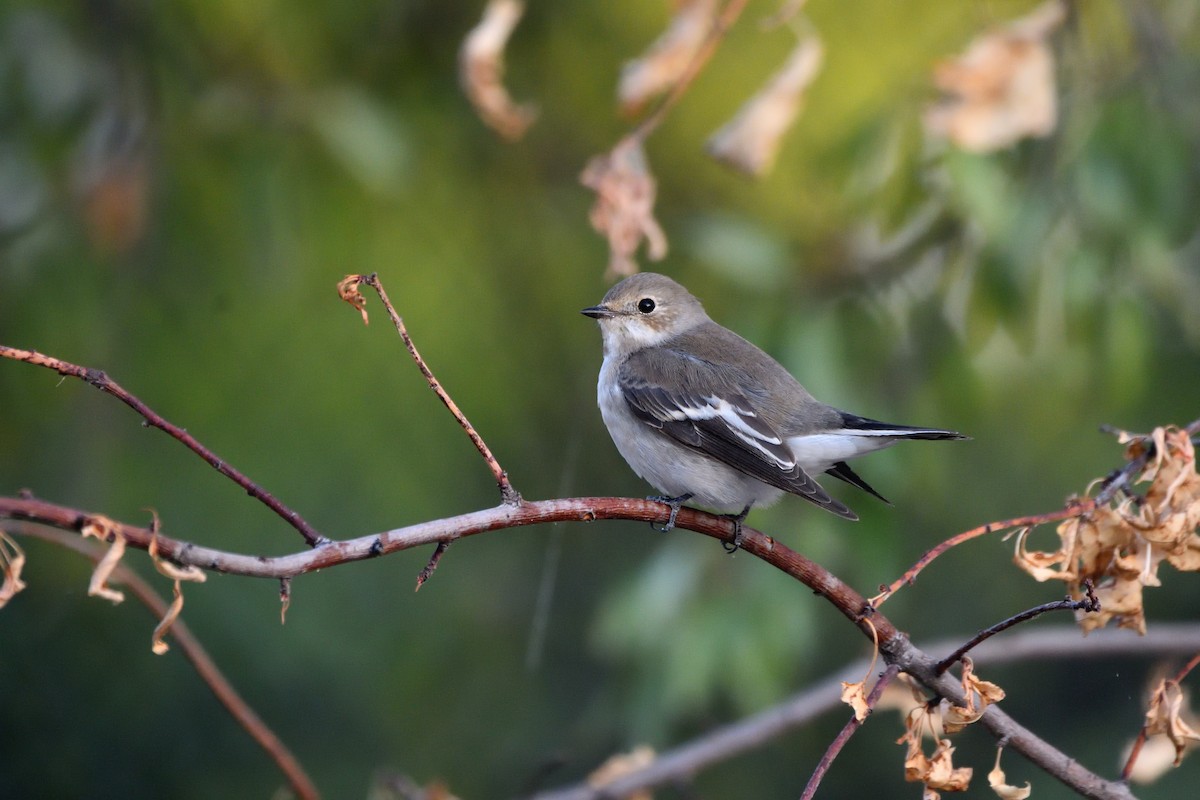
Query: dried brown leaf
x=750, y=141
x=979, y=695
x=348, y=290
x=12, y=561
x=481, y=70
x=624, y=207
x=105, y=529
x=622, y=764
x=1002, y=88
x=855, y=696
x=1120, y=600
x=999, y=783
x=942, y=774
x=1164, y=716
x=157, y=645
x=665, y=61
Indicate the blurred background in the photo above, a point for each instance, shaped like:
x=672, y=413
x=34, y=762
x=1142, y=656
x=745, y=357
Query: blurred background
x=181, y=187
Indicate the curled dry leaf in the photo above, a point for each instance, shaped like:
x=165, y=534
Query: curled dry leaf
x=12, y=561
x=1001, y=89
x=1120, y=547
x=176, y=572
x=999, y=783
x=662, y=65
x=979, y=695
x=285, y=599
x=750, y=141
x=623, y=764
x=936, y=770
x=104, y=529
x=1165, y=716
x=157, y=645
x=943, y=775
x=624, y=207
x=481, y=70
x=348, y=290
x=855, y=696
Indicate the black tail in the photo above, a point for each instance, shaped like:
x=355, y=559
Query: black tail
x=873, y=427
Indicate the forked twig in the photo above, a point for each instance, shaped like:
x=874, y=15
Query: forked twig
x=101, y=381
x=195, y=653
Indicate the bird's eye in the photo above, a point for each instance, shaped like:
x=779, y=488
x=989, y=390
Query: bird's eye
x=645, y=305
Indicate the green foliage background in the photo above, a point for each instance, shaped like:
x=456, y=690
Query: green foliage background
x=1025, y=298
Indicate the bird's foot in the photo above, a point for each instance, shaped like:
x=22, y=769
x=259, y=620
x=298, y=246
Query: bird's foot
x=675, y=503
x=733, y=546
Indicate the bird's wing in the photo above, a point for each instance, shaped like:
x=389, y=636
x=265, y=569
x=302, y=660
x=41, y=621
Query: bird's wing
x=708, y=410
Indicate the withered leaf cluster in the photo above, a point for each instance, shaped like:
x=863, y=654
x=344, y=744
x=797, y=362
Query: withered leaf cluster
x=1002, y=89
x=624, y=207
x=1119, y=546
x=940, y=720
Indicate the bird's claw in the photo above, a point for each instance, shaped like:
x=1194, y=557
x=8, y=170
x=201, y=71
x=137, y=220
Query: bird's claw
x=675, y=504
x=735, y=544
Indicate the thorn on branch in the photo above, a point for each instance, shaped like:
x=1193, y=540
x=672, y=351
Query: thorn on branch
x=425, y=574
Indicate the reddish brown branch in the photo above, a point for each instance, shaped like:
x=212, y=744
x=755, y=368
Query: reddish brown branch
x=1073, y=509
x=892, y=644
x=852, y=725
x=195, y=653
x=101, y=381
x=1090, y=603
x=349, y=292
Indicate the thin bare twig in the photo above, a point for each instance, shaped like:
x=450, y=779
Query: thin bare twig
x=1074, y=508
x=348, y=290
x=101, y=381
x=852, y=725
x=195, y=653
x=1090, y=603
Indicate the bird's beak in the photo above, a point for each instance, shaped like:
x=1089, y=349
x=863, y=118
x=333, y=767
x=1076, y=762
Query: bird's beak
x=597, y=312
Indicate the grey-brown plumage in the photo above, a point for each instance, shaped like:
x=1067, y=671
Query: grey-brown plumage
x=698, y=411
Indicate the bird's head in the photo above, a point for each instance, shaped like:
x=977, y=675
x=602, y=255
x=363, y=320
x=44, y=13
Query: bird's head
x=645, y=310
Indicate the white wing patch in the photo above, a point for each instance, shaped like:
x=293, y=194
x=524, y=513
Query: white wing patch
x=734, y=418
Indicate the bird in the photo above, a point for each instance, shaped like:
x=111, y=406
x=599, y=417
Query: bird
x=705, y=416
